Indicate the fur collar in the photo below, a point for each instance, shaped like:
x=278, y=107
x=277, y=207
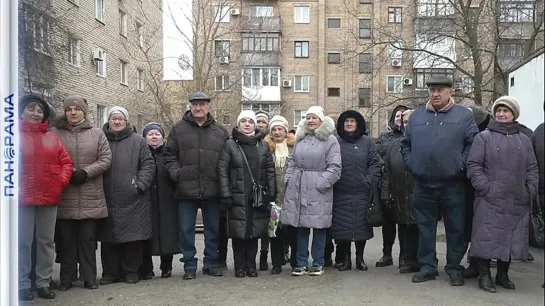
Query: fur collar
x=445, y=108
x=322, y=132
x=272, y=144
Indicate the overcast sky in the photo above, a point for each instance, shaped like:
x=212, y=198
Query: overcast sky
x=177, y=35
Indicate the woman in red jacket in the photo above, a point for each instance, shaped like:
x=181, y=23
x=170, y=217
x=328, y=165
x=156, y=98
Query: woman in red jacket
x=46, y=168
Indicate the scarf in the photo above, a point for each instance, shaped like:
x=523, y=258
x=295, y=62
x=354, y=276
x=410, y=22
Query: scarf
x=281, y=153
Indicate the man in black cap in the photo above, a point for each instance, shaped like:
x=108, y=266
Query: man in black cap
x=437, y=141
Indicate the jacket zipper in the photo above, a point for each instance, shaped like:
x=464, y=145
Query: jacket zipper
x=77, y=159
x=199, y=162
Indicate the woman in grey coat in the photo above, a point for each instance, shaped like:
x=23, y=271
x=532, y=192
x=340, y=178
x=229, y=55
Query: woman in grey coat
x=503, y=170
x=126, y=185
x=313, y=169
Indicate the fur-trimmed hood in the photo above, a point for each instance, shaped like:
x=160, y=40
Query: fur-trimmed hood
x=322, y=132
x=272, y=145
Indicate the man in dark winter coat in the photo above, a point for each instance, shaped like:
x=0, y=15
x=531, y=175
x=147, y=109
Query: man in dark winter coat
x=538, y=142
x=437, y=141
x=192, y=151
x=388, y=224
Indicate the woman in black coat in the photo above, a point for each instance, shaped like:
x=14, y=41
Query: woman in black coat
x=164, y=210
x=353, y=193
x=245, y=223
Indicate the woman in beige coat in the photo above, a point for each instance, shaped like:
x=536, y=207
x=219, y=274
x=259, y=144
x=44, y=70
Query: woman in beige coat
x=83, y=202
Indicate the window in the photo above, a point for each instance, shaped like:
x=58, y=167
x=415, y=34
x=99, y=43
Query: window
x=260, y=43
x=298, y=115
x=74, y=53
x=100, y=64
x=364, y=97
x=302, y=14
x=37, y=88
x=122, y=23
x=511, y=49
x=99, y=10
x=222, y=82
x=395, y=14
x=140, y=79
x=365, y=28
x=366, y=1
x=394, y=84
x=262, y=11
x=222, y=13
x=422, y=75
x=38, y=28
x=140, y=34
x=123, y=72
x=334, y=23
x=101, y=115
x=333, y=92
x=435, y=8
x=366, y=62
x=333, y=58
x=301, y=48
x=394, y=50
x=258, y=77
x=221, y=48
x=301, y=83
x=467, y=85
x=517, y=11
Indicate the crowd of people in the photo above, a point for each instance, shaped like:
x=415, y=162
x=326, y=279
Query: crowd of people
x=139, y=195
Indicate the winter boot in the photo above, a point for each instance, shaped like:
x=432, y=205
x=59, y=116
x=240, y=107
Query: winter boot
x=263, y=265
x=347, y=262
x=339, y=256
x=485, y=279
x=360, y=263
x=472, y=270
x=502, y=279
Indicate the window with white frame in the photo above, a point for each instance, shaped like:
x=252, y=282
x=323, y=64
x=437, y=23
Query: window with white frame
x=74, y=52
x=394, y=84
x=221, y=48
x=301, y=49
x=301, y=13
x=222, y=13
x=122, y=23
x=467, y=84
x=517, y=11
x=140, y=33
x=394, y=50
x=261, y=11
x=435, y=8
x=123, y=72
x=298, y=115
x=301, y=83
x=260, y=77
x=261, y=42
x=271, y=108
x=38, y=27
x=99, y=10
x=222, y=82
x=422, y=75
x=101, y=115
x=100, y=63
x=140, y=79
x=395, y=14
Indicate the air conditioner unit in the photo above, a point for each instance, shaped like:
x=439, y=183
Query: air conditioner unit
x=235, y=12
x=407, y=82
x=286, y=83
x=396, y=63
x=98, y=55
x=224, y=59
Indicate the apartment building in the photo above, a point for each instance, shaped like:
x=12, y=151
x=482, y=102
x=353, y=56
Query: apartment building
x=104, y=50
x=369, y=55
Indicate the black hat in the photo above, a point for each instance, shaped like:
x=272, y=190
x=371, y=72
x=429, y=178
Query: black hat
x=34, y=98
x=199, y=96
x=439, y=81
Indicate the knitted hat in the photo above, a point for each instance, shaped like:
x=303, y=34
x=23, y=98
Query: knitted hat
x=248, y=114
x=318, y=111
x=262, y=114
x=153, y=126
x=24, y=101
x=75, y=100
x=278, y=121
x=119, y=110
x=508, y=102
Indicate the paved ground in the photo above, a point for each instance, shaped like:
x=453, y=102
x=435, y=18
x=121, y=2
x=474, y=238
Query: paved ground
x=378, y=286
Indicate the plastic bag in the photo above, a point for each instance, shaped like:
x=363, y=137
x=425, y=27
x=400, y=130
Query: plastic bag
x=274, y=219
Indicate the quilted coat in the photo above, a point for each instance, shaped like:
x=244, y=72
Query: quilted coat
x=313, y=169
x=538, y=141
x=129, y=207
x=503, y=170
x=46, y=165
x=353, y=192
x=90, y=151
x=243, y=221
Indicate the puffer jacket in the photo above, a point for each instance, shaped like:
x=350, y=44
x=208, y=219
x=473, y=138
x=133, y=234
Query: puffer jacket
x=538, y=142
x=280, y=169
x=392, y=133
x=89, y=149
x=46, y=166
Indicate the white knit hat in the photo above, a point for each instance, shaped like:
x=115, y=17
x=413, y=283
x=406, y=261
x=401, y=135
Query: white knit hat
x=120, y=110
x=248, y=114
x=318, y=111
x=278, y=121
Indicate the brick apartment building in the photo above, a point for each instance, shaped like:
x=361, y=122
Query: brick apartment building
x=103, y=50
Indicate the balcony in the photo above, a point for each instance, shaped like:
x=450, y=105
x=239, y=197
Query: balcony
x=261, y=24
x=258, y=58
x=424, y=25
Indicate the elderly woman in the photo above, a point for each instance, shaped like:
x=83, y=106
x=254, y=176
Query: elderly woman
x=503, y=170
x=164, y=209
x=83, y=203
x=245, y=158
x=126, y=183
x=353, y=193
x=46, y=168
x=313, y=169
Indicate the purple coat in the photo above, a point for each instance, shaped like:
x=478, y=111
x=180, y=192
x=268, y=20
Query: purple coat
x=503, y=170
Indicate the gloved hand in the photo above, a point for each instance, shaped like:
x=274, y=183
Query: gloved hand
x=78, y=177
x=227, y=202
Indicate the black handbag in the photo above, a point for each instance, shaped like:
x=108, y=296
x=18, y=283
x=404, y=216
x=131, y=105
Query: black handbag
x=374, y=211
x=258, y=195
x=537, y=226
